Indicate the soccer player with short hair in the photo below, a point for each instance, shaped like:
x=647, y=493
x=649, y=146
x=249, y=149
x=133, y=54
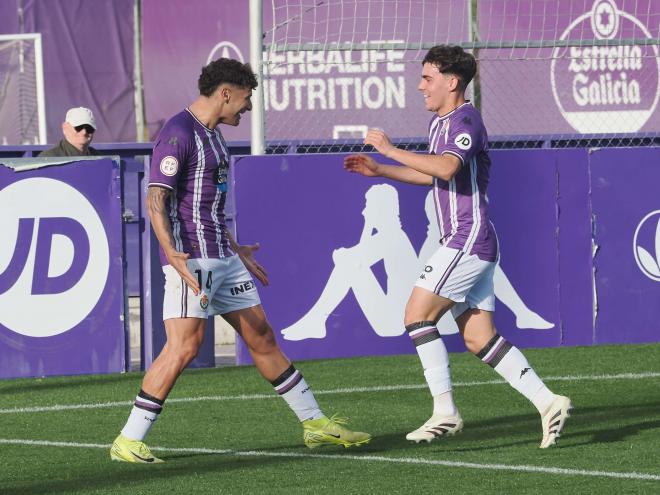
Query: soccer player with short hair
x=458, y=277
x=203, y=264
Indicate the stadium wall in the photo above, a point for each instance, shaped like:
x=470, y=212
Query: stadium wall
x=579, y=231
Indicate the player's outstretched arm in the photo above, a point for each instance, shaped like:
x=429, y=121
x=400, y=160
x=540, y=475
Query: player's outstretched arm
x=442, y=166
x=246, y=253
x=160, y=222
x=367, y=166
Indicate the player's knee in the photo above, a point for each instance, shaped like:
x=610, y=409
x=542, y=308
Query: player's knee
x=478, y=343
x=412, y=314
x=185, y=352
x=474, y=346
x=188, y=354
x=263, y=340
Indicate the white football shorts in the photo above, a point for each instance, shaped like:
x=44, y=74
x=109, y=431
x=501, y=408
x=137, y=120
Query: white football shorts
x=226, y=286
x=460, y=277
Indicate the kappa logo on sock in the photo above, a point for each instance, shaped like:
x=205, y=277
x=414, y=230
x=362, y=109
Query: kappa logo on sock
x=524, y=370
x=306, y=390
x=149, y=419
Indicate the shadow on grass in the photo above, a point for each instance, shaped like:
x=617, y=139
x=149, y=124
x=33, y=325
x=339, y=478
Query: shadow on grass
x=588, y=425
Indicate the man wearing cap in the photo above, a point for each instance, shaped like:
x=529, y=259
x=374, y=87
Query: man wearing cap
x=78, y=129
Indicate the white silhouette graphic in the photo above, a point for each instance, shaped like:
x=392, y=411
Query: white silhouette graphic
x=384, y=239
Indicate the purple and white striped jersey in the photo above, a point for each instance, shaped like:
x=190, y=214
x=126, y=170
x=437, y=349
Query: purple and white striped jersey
x=461, y=204
x=193, y=162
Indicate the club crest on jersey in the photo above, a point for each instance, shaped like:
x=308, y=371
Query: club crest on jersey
x=169, y=166
x=204, y=302
x=463, y=141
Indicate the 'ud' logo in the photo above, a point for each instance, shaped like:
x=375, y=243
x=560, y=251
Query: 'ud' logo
x=54, y=257
x=48, y=228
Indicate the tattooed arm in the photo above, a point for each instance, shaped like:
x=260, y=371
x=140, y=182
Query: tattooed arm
x=160, y=223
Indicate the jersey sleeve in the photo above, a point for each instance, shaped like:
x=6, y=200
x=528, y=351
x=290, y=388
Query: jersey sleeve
x=170, y=155
x=463, y=138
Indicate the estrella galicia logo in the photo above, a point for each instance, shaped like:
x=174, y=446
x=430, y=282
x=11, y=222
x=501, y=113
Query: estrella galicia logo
x=646, y=245
x=225, y=49
x=54, y=257
x=606, y=88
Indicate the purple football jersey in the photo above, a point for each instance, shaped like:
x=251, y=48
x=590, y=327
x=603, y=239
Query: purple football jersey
x=193, y=162
x=461, y=204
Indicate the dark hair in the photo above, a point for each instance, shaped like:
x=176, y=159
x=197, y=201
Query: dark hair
x=225, y=70
x=453, y=60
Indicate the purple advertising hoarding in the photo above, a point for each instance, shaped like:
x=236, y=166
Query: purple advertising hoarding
x=61, y=269
x=330, y=94
x=315, y=94
x=177, y=41
x=334, y=94
x=343, y=252
x=574, y=89
x=626, y=212
x=88, y=61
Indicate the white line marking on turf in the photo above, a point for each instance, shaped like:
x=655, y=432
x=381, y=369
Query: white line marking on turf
x=352, y=390
x=368, y=458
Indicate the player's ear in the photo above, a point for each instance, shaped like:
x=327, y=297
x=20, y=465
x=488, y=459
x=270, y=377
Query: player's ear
x=457, y=83
x=454, y=83
x=224, y=93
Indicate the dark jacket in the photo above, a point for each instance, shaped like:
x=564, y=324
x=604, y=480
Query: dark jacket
x=64, y=148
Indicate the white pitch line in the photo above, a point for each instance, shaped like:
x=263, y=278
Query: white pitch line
x=352, y=390
x=365, y=458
